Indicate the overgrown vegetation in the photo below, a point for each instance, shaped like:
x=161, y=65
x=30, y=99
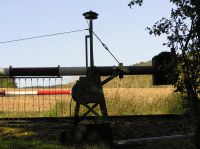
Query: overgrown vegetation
x=146, y=102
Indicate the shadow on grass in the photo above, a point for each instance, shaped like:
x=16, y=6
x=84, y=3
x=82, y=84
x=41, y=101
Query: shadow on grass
x=30, y=135
x=46, y=134
x=25, y=143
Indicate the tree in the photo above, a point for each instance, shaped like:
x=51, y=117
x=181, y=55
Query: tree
x=8, y=83
x=183, y=35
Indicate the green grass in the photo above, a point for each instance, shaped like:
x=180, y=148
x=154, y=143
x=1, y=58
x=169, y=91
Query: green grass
x=36, y=135
x=132, y=104
x=27, y=144
x=37, y=144
x=7, y=82
x=43, y=135
x=60, y=109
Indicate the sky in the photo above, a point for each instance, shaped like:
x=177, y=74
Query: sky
x=122, y=29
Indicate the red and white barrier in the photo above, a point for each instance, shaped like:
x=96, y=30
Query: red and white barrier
x=40, y=92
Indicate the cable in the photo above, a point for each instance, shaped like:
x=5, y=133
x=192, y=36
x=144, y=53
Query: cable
x=42, y=36
x=105, y=47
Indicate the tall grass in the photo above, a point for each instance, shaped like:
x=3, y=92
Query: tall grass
x=144, y=101
x=120, y=101
x=132, y=101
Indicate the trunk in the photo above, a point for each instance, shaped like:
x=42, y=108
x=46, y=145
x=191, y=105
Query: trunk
x=195, y=105
x=191, y=93
x=197, y=134
x=193, y=97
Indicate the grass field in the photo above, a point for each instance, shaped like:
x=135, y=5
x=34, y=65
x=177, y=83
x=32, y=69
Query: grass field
x=120, y=101
x=143, y=101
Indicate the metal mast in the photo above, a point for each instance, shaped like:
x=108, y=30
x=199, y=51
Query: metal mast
x=91, y=16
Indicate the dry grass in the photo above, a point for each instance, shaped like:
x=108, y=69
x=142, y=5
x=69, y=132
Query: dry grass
x=146, y=94
x=143, y=101
x=129, y=101
x=120, y=101
x=32, y=105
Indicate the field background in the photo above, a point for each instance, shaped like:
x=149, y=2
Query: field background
x=133, y=95
x=120, y=101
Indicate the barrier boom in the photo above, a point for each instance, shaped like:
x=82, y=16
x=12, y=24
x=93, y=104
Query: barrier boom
x=75, y=71
x=35, y=92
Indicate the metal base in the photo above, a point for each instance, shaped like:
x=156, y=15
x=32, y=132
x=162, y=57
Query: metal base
x=90, y=134
x=88, y=93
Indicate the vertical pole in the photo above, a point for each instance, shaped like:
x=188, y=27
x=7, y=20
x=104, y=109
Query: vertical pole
x=91, y=44
x=76, y=115
x=86, y=50
x=91, y=16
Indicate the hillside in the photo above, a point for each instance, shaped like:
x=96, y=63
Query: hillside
x=133, y=81
x=147, y=63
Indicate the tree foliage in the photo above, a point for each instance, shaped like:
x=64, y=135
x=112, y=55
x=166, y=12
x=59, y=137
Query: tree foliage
x=183, y=34
x=135, y=2
x=7, y=83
